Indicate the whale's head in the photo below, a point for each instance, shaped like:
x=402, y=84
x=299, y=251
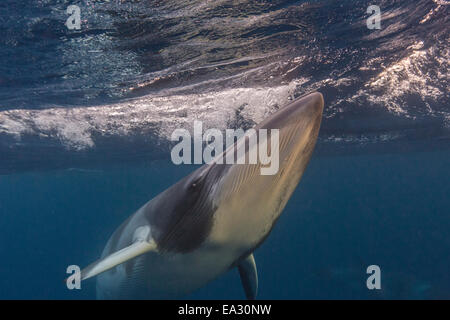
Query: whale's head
x=253, y=177
x=257, y=192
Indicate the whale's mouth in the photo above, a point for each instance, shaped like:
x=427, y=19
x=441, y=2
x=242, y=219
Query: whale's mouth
x=298, y=124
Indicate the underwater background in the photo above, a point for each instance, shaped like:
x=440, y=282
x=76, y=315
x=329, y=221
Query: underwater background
x=86, y=117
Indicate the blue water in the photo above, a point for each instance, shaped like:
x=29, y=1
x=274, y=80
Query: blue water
x=85, y=118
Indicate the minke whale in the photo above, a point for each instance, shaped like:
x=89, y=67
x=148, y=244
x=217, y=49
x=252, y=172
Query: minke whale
x=210, y=221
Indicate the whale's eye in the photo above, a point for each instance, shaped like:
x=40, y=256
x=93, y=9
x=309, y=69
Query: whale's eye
x=194, y=184
x=197, y=180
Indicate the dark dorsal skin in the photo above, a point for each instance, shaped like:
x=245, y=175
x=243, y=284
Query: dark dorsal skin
x=181, y=217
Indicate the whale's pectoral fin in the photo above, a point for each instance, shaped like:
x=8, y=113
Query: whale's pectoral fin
x=249, y=276
x=118, y=257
